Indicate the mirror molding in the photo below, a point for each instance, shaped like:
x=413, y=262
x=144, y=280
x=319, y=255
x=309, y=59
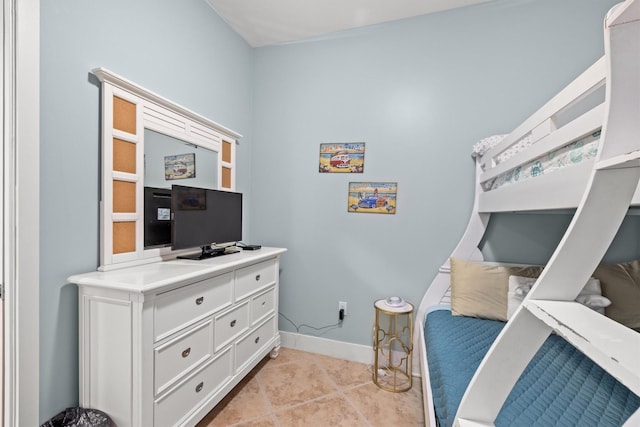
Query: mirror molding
x=126, y=110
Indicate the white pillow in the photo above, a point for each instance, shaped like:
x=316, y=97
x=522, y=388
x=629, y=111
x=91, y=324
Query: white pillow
x=519, y=287
x=590, y=296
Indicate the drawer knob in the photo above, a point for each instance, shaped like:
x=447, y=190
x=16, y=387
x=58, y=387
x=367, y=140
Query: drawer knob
x=186, y=352
x=233, y=323
x=263, y=303
x=199, y=387
x=199, y=300
x=257, y=339
x=257, y=277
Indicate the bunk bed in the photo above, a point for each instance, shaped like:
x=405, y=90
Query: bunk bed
x=496, y=352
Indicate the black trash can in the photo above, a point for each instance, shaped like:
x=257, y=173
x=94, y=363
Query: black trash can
x=79, y=417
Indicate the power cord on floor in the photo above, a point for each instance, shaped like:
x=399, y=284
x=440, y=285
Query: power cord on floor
x=322, y=329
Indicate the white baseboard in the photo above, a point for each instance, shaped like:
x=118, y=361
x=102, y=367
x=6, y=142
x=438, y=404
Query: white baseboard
x=338, y=349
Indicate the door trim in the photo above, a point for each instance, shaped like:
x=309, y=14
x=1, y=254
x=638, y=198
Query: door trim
x=21, y=81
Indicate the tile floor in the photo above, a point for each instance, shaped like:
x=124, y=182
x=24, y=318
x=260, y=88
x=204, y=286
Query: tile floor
x=306, y=389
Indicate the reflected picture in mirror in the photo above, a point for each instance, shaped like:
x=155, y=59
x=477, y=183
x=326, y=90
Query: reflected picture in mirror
x=181, y=166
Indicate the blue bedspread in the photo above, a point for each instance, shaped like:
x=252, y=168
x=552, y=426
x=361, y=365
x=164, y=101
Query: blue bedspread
x=560, y=387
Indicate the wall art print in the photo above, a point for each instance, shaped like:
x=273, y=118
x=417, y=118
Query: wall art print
x=372, y=197
x=342, y=157
x=180, y=166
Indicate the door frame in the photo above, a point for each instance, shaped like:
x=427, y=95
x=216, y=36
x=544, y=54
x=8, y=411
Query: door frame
x=21, y=258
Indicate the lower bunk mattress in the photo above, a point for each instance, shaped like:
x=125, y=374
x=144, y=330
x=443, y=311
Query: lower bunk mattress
x=560, y=387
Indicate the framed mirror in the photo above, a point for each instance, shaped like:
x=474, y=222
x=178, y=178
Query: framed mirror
x=148, y=143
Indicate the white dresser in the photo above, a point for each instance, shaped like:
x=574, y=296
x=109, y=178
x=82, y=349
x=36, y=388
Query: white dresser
x=161, y=344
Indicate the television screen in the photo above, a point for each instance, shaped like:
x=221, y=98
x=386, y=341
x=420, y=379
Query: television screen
x=202, y=217
x=157, y=219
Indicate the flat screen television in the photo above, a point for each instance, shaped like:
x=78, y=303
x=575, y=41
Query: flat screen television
x=203, y=217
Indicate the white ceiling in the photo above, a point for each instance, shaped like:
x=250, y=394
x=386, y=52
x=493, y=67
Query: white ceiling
x=266, y=22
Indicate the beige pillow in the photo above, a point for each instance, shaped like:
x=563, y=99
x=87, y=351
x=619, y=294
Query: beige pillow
x=621, y=284
x=480, y=289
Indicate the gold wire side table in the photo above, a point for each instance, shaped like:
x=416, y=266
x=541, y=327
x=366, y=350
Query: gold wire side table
x=392, y=344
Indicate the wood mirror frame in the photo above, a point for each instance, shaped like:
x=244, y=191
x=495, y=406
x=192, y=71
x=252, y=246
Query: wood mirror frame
x=127, y=109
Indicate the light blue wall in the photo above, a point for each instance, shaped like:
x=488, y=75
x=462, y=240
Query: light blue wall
x=532, y=238
x=419, y=92
x=181, y=50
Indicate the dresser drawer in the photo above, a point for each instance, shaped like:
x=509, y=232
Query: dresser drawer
x=250, y=279
x=254, y=342
x=175, y=309
x=177, y=357
x=231, y=324
x=262, y=305
x=173, y=407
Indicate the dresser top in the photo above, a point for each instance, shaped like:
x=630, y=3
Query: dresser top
x=155, y=276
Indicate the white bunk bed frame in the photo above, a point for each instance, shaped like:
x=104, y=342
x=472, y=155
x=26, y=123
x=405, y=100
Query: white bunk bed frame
x=610, y=180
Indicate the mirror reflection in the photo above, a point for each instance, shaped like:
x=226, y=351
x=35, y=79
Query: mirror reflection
x=166, y=159
x=169, y=161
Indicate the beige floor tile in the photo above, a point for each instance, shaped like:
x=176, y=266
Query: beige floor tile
x=383, y=408
x=245, y=402
x=332, y=411
x=294, y=383
x=344, y=372
x=268, y=421
x=311, y=390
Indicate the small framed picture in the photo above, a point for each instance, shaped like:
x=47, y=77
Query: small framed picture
x=180, y=166
x=342, y=157
x=372, y=197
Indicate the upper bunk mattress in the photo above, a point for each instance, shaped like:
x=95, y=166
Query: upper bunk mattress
x=560, y=387
x=571, y=154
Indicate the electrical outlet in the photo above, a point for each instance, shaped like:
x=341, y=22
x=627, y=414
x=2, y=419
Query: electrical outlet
x=342, y=309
